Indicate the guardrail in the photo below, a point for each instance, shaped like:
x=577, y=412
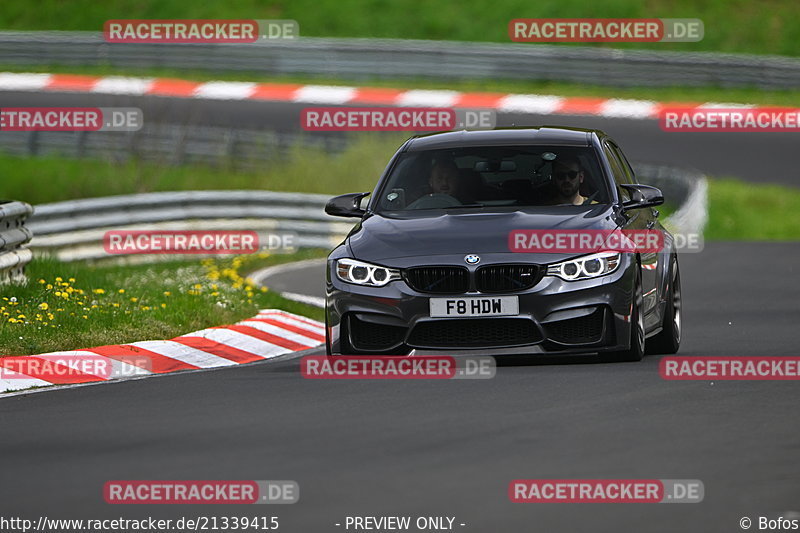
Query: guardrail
x=13, y=238
x=396, y=58
x=171, y=144
x=74, y=230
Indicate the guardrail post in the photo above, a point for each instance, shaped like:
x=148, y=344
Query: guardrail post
x=33, y=147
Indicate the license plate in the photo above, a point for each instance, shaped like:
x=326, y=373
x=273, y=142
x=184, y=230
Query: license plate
x=474, y=306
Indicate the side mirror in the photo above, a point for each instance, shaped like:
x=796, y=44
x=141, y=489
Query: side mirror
x=346, y=205
x=642, y=196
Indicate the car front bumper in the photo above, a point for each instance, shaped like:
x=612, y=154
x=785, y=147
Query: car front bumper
x=555, y=317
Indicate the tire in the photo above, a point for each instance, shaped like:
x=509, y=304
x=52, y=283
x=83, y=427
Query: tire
x=637, y=340
x=668, y=341
x=328, y=350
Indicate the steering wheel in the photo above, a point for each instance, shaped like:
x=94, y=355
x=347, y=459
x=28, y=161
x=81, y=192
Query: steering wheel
x=434, y=201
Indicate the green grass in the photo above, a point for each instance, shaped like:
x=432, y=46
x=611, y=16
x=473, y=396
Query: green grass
x=744, y=211
x=766, y=27
x=357, y=169
x=67, y=306
x=676, y=93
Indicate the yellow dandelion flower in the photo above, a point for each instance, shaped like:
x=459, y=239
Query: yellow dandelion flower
x=44, y=306
x=99, y=291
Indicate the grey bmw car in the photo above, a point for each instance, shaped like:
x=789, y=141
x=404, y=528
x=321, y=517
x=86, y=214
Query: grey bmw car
x=435, y=265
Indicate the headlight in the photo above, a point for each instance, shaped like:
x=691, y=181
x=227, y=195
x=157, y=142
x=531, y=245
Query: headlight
x=590, y=266
x=362, y=273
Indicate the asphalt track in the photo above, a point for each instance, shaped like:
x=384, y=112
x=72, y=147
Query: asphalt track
x=446, y=448
x=451, y=448
x=758, y=157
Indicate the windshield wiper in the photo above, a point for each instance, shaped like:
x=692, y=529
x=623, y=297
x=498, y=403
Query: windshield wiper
x=464, y=206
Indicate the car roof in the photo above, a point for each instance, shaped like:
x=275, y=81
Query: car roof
x=545, y=135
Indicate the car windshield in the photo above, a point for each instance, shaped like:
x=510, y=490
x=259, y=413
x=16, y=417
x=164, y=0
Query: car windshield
x=493, y=177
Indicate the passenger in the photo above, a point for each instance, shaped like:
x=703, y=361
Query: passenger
x=568, y=176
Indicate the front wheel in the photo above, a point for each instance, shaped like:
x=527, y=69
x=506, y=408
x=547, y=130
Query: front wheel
x=328, y=350
x=668, y=341
x=637, y=341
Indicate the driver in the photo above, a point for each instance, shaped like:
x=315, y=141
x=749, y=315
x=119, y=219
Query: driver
x=445, y=187
x=444, y=178
x=568, y=176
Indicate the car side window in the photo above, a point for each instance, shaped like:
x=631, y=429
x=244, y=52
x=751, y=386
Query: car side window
x=620, y=176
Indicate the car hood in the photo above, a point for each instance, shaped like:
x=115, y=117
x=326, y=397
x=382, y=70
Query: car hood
x=380, y=238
